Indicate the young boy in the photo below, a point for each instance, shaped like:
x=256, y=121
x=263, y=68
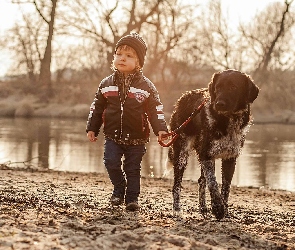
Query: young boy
x=126, y=102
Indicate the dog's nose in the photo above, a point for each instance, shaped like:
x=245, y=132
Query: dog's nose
x=220, y=105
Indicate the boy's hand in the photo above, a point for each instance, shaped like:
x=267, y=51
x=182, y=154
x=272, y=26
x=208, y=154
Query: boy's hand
x=162, y=136
x=91, y=136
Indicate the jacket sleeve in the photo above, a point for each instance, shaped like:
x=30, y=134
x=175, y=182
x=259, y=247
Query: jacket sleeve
x=95, y=117
x=155, y=111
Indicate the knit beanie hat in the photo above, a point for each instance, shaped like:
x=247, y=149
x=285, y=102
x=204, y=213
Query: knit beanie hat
x=136, y=42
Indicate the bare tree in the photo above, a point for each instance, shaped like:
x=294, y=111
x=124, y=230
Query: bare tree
x=73, y=62
x=213, y=42
x=166, y=34
x=47, y=14
x=161, y=22
x=184, y=45
x=45, y=72
x=23, y=40
x=267, y=36
x=106, y=23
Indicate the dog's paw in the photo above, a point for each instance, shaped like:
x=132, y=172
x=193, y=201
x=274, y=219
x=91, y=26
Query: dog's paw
x=177, y=214
x=219, y=211
x=204, y=212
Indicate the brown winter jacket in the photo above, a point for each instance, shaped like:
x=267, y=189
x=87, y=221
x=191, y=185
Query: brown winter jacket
x=126, y=116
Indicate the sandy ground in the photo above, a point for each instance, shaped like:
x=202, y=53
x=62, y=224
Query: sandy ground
x=57, y=210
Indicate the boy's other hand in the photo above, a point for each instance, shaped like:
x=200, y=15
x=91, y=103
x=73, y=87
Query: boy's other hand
x=91, y=136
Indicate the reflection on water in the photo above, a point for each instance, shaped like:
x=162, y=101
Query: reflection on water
x=267, y=158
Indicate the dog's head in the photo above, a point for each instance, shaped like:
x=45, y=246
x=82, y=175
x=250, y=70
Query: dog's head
x=231, y=91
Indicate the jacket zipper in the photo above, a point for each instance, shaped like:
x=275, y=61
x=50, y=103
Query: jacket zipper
x=125, y=90
x=122, y=106
x=121, y=122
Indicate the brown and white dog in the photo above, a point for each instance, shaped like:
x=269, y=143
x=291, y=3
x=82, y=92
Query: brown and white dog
x=217, y=131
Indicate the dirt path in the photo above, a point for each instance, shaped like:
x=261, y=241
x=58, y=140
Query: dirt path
x=57, y=210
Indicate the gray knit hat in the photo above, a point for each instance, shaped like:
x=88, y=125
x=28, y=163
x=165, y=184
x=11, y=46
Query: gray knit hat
x=136, y=42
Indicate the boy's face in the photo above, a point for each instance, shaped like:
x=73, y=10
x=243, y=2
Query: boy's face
x=125, y=59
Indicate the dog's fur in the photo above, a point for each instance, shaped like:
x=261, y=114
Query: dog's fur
x=218, y=131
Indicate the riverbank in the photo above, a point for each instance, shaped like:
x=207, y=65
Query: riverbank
x=16, y=105
x=81, y=111
x=61, y=210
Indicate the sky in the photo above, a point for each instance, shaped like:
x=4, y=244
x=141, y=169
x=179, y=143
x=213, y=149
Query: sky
x=237, y=11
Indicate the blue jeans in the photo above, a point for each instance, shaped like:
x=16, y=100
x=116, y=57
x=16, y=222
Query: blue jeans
x=129, y=176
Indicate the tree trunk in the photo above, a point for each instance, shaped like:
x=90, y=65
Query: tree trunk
x=45, y=73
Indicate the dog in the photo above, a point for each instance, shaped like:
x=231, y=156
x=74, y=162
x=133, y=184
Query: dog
x=217, y=131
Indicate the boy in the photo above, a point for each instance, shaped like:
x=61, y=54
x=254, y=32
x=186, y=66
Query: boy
x=126, y=102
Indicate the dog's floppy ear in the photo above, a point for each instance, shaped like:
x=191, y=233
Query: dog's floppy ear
x=211, y=86
x=253, y=90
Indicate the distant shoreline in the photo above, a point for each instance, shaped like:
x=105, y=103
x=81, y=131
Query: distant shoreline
x=81, y=111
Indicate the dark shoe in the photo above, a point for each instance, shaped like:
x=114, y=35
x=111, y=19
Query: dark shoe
x=132, y=206
x=116, y=201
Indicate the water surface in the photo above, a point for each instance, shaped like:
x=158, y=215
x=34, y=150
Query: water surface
x=61, y=144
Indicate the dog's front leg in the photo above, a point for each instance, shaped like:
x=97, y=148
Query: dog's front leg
x=179, y=157
x=217, y=204
x=228, y=169
x=202, y=194
x=178, y=175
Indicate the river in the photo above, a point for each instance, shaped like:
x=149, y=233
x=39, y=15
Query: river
x=267, y=159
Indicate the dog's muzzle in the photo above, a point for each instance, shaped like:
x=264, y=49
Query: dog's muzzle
x=220, y=106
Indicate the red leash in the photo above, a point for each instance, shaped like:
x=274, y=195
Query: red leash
x=175, y=133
